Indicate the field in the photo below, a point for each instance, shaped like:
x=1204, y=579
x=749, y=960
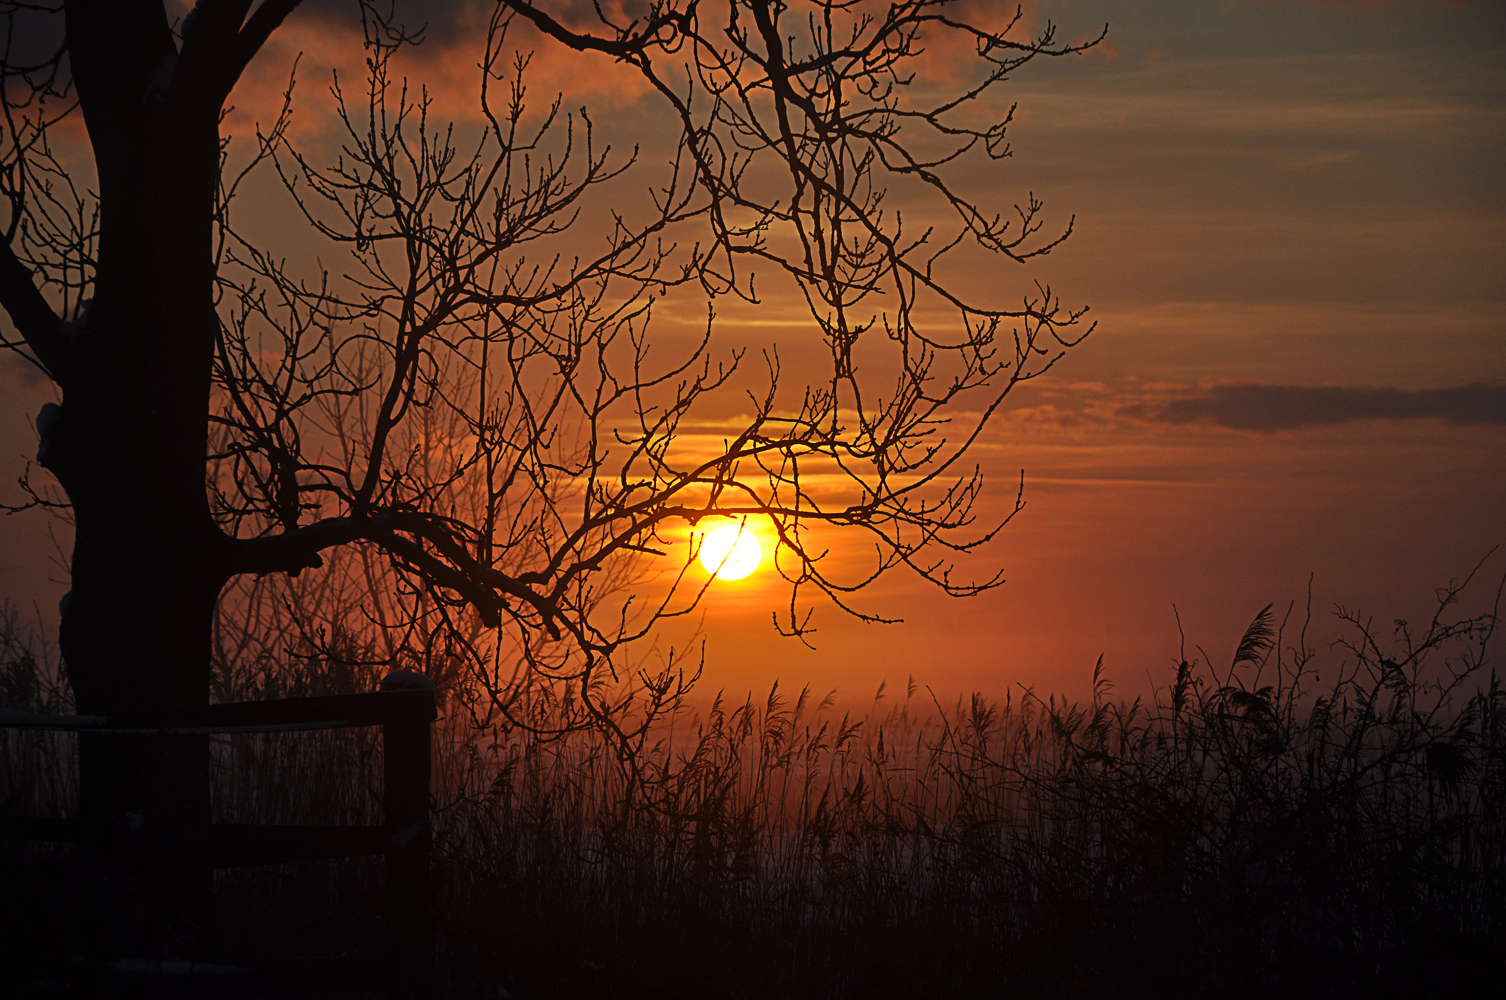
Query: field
x=1291, y=823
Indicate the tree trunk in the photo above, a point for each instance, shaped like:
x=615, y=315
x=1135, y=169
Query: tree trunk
x=128, y=446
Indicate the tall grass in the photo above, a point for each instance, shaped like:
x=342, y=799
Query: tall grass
x=1287, y=823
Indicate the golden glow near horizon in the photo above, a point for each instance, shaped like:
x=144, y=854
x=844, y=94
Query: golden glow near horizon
x=731, y=552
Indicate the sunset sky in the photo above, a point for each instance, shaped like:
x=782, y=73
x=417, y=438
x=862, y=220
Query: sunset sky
x=1291, y=229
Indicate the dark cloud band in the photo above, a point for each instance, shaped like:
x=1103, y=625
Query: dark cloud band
x=1258, y=406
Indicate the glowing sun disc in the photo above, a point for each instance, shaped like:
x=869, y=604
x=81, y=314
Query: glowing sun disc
x=730, y=552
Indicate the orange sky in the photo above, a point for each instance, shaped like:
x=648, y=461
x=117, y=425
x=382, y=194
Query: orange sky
x=1291, y=194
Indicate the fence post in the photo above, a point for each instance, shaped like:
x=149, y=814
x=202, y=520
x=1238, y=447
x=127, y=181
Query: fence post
x=405, y=801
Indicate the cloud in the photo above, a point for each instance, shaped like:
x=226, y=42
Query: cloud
x=1260, y=406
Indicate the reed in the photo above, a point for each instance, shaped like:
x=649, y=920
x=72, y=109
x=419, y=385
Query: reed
x=1292, y=822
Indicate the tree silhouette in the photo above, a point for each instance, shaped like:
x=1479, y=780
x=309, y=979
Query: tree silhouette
x=472, y=400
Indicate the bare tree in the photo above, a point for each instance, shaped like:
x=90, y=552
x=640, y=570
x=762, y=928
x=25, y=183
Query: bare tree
x=472, y=402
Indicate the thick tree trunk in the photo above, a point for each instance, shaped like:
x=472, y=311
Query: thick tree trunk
x=128, y=446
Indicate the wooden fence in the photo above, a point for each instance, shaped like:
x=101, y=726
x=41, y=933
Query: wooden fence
x=405, y=717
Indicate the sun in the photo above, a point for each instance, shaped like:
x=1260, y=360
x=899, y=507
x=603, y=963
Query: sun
x=730, y=552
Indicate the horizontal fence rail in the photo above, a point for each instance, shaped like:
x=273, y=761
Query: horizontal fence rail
x=344, y=711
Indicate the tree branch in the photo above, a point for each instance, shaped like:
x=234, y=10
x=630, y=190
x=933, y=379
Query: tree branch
x=219, y=41
x=623, y=47
x=39, y=326
x=257, y=30
x=294, y=551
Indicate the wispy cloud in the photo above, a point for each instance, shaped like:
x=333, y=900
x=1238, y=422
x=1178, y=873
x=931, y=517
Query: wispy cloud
x=1261, y=406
